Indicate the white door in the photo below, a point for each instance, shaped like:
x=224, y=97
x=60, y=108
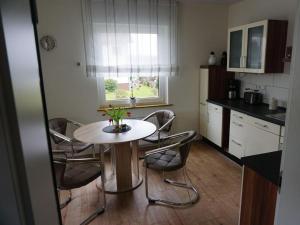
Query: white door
x=259, y=141
x=255, y=46
x=238, y=132
x=203, y=104
x=236, y=147
x=215, y=122
x=203, y=120
x=289, y=202
x=236, y=48
x=203, y=85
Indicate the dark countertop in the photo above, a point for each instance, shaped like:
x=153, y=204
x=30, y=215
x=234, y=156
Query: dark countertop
x=259, y=111
x=267, y=165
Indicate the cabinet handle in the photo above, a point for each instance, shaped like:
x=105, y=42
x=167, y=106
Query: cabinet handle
x=238, y=124
x=261, y=125
x=238, y=116
x=202, y=103
x=235, y=142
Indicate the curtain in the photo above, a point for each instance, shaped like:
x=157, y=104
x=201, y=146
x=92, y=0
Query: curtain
x=130, y=37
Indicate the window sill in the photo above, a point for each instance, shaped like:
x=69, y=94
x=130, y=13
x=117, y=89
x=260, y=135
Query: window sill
x=138, y=106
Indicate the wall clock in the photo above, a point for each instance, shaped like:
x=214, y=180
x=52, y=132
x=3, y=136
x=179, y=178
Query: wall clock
x=48, y=42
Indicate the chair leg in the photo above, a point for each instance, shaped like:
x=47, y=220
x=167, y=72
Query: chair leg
x=65, y=203
x=178, y=184
x=150, y=200
x=99, y=210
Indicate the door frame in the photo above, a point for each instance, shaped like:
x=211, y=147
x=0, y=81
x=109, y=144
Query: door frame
x=289, y=198
x=29, y=193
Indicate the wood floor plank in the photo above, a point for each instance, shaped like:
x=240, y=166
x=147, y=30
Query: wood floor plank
x=217, y=178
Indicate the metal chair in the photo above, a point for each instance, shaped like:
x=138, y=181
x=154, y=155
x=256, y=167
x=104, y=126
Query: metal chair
x=170, y=158
x=76, y=173
x=163, y=119
x=59, y=140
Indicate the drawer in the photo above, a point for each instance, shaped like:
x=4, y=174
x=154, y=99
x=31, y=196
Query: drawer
x=264, y=125
x=236, y=148
x=259, y=141
x=215, y=108
x=237, y=129
x=238, y=116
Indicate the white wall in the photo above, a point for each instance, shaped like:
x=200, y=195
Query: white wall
x=247, y=11
x=71, y=94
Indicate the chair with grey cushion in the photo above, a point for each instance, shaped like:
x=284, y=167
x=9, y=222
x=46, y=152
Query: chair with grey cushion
x=170, y=158
x=76, y=173
x=59, y=140
x=163, y=119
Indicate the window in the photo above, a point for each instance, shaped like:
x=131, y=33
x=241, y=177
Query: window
x=147, y=89
x=131, y=47
x=126, y=87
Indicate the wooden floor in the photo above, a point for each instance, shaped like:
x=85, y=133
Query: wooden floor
x=217, y=178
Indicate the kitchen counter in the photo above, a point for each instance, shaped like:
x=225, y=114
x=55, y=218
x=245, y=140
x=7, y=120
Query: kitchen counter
x=259, y=111
x=266, y=165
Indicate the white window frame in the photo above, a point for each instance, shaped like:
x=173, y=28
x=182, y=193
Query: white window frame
x=161, y=99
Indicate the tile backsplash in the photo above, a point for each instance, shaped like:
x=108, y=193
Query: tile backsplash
x=270, y=85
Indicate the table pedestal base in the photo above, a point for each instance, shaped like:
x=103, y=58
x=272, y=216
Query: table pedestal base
x=124, y=173
x=111, y=185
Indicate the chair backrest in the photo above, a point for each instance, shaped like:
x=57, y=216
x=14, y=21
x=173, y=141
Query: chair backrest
x=59, y=169
x=185, y=145
x=162, y=117
x=60, y=126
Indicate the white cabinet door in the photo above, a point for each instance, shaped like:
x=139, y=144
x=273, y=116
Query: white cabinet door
x=252, y=136
x=238, y=130
x=255, y=46
x=236, y=48
x=203, y=85
x=203, y=120
x=203, y=103
x=215, y=123
x=236, y=147
x=259, y=141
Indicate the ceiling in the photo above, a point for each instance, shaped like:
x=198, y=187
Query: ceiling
x=212, y=1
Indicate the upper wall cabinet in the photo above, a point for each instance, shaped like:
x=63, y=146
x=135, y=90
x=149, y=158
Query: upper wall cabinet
x=257, y=47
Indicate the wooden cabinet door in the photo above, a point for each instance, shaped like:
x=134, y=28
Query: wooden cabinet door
x=258, y=199
x=218, y=82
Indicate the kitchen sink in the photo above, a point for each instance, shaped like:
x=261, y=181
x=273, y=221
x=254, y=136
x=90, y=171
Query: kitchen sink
x=277, y=116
